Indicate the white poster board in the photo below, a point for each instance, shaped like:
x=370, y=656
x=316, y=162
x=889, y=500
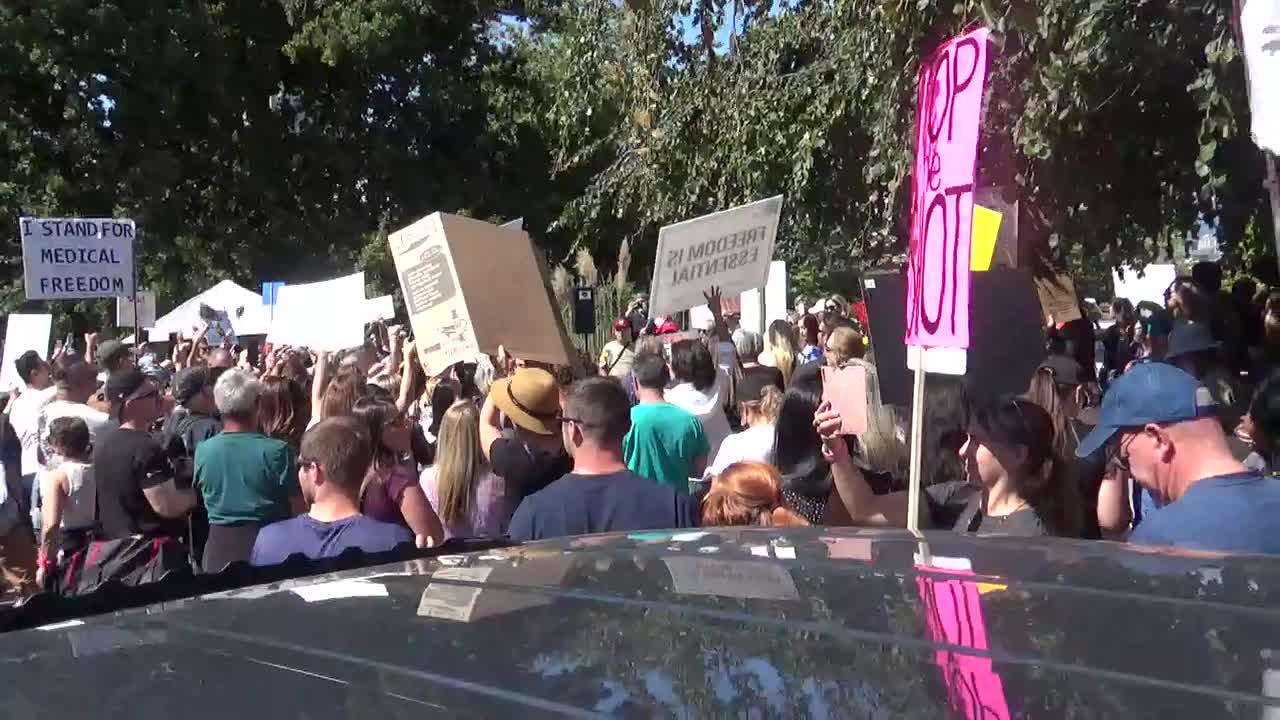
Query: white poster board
x=1151, y=286
x=730, y=249
x=146, y=310
x=1260, y=30
x=24, y=332
x=69, y=258
x=775, y=300
x=325, y=316
x=380, y=308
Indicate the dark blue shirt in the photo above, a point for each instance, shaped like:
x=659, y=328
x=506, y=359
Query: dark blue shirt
x=304, y=534
x=584, y=504
x=1227, y=513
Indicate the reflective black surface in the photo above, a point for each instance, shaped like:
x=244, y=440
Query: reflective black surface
x=741, y=623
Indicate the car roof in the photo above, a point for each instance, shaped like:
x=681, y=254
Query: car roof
x=712, y=622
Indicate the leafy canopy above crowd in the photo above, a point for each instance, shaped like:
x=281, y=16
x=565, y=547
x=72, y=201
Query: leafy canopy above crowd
x=283, y=140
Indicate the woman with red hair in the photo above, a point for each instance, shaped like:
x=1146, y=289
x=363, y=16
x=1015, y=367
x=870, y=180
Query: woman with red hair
x=748, y=493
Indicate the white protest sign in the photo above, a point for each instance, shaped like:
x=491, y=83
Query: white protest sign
x=730, y=249
x=1151, y=286
x=24, y=332
x=68, y=258
x=146, y=310
x=326, y=316
x=379, y=308
x=1260, y=31
x=748, y=305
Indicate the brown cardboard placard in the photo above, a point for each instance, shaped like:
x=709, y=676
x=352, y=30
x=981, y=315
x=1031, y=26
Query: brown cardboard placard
x=469, y=287
x=1058, y=298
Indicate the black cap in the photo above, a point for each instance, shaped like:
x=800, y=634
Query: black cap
x=1190, y=337
x=110, y=351
x=1064, y=369
x=189, y=383
x=124, y=383
x=755, y=380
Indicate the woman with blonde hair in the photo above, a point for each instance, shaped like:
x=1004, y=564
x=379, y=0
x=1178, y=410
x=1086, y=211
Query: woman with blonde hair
x=781, y=348
x=748, y=493
x=470, y=500
x=882, y=449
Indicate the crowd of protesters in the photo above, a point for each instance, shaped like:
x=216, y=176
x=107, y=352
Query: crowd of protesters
x=1162, y=429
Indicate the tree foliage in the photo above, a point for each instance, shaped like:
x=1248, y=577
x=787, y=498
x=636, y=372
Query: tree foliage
x=283, y=139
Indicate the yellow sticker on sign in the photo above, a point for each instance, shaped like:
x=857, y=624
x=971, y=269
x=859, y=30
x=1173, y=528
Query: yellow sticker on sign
x=986, y=226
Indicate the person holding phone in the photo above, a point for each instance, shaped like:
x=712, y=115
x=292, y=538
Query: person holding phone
x=1013, y=484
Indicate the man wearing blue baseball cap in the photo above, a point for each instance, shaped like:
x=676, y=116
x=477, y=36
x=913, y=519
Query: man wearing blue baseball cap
x=1161, y=426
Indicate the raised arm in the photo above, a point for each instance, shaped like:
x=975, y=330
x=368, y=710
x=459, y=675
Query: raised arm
x=319, y=380
x=720, y=330
x=1114, y=512
x=862, y=504
x=490, y=426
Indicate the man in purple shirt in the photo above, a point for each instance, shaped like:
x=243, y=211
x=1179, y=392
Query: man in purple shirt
x=335, y=454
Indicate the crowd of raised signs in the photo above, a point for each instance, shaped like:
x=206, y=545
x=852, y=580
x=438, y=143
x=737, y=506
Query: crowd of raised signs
x=1161, y=429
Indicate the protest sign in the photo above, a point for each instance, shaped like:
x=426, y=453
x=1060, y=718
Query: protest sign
x=986, y=228
x=756, y=579
x=470, y=286
x=327, y=316
x=68, y=258
x=146, y=311
x=1058, y=299
x=730, y=249
x=1154, y=280
x=380, y=308
x=949, y=108
x=23, y=333
x=1260, y=32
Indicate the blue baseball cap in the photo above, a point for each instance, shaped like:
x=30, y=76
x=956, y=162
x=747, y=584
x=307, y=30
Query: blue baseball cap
x=1151, y=392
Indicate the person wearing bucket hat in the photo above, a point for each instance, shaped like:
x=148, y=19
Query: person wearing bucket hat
x=530, y=455
x=1160, y=426
x=1193, y=349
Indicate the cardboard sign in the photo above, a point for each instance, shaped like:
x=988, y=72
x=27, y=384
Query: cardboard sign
x=327, y=316
x=846, y=390
x=754, y=579
x=24, y=332
x=730, y=249
x=949, y=108
x=469, y=287
x=68, y=258
x=1058, y=298
x=146, y=310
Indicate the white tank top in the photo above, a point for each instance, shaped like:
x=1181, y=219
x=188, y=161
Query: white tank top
x=79, y=512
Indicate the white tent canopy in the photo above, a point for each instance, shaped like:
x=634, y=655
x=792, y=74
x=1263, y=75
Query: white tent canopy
x=244, y=307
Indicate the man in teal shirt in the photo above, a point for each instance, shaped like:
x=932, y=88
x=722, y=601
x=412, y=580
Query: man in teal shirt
x=666, y=443
x=247, y=480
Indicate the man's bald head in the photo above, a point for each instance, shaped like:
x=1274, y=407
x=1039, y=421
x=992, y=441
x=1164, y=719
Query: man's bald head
x=220, y=358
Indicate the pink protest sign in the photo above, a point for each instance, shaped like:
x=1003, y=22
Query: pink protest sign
x=953, y=612
x=948, y=108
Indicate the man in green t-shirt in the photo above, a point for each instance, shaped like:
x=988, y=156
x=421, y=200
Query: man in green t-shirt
x=247, y=480
x=666, y=443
